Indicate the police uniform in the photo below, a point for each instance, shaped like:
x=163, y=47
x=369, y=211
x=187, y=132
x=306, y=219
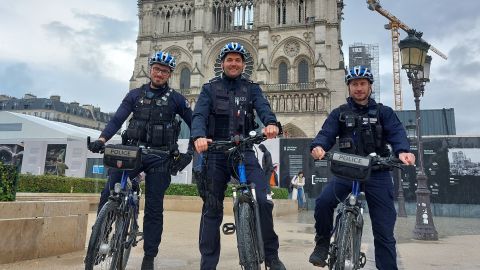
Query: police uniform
x=362, y=130
x=225, y=108
x=153, y=125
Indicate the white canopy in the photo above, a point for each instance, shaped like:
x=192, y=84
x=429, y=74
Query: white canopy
x=35, y=135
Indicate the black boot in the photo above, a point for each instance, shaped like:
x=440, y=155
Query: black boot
x=274, y=264
x=320, y=253
x=147, y=263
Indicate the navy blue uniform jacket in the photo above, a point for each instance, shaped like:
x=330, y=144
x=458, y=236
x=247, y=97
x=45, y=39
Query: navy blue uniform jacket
x=177, y=104
x=393, y=130
x=203, y=108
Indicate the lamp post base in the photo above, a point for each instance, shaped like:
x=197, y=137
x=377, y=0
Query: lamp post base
x=424, y=227
x=425, y=232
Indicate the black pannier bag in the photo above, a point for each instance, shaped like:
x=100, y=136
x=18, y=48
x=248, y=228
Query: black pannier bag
x=122, y=157
x=350, y=166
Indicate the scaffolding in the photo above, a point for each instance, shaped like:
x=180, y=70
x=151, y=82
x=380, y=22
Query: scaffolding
x=367, y=55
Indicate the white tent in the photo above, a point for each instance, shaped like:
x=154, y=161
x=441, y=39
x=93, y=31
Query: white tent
x=42, y=139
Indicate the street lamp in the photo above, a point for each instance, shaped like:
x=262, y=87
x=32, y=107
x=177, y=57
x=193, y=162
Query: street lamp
x=417, y=65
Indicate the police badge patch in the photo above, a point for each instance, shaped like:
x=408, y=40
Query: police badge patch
x=187, y=104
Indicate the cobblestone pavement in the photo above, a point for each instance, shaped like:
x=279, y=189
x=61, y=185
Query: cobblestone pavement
x=457, y=248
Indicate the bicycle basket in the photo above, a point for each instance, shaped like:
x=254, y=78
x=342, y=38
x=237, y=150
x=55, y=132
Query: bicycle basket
x=122, y=157
x=349, y=166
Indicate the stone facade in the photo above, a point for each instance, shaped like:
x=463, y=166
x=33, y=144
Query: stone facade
x=295, y=47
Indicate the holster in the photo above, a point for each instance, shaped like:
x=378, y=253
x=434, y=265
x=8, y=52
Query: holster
x=203, y=186
x=180, y=163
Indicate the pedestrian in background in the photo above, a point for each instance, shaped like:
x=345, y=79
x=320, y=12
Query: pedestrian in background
x=298, y=181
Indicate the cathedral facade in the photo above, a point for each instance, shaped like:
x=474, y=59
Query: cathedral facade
x=294, y=51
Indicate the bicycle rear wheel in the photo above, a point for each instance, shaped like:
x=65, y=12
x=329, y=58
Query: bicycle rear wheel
x=346, y=258
x=247, y=237
x=101, y=245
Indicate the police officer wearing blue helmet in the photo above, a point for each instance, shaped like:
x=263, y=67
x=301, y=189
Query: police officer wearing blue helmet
x=154, y=125
x=361, y=137
x=224, y=109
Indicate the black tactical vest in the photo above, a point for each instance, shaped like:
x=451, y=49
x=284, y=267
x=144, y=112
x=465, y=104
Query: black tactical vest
x=232, y=111
x=153, y=123
x=361, y=133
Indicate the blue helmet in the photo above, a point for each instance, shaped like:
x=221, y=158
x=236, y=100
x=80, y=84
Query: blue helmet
x=232, y=47
x=163, y=58
x=358, y=72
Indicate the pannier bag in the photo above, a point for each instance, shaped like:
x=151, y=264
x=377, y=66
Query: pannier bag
x=350, y=166
x=122, y=157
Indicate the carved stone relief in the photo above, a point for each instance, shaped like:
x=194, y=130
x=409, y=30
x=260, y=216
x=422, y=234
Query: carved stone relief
x=291, y=48
x=275, y=39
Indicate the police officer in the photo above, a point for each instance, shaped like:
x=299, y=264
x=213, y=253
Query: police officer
x=153, y=125
x=363, y=127
x=224, y=109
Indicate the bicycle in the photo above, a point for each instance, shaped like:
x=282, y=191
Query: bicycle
x=245, y=207
x=344, y=251
x=116, y=229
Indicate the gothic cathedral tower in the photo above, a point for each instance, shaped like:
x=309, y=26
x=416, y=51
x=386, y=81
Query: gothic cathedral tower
x=295, y=47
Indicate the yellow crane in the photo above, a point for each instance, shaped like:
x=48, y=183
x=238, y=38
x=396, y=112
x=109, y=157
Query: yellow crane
x=393, y=26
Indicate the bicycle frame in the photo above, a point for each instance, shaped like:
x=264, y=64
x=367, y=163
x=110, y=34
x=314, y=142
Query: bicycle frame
x=245, y=207
x=244, y=190
x=349, y=220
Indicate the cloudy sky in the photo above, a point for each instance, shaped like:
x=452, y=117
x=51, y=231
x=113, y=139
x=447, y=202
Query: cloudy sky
x=84, y=50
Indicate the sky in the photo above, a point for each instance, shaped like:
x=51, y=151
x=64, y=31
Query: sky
x=84, y=50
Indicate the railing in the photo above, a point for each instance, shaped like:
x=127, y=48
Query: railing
x=277, y=87
x=294, y=86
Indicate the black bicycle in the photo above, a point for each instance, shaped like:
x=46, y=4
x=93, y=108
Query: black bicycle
x=245, y=206
x=116, y=229
x=344, y=251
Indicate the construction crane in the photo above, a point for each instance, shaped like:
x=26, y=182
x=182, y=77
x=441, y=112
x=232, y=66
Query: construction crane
x=393, y=26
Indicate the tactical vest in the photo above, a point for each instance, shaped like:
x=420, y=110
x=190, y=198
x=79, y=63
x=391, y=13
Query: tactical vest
x=361, y=133
x=153, y=123
x=232, y=111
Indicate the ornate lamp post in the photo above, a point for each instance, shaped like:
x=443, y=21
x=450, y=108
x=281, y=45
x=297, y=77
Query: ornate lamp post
x=414, y=60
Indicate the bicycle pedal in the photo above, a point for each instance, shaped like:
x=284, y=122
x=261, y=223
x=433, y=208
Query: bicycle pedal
x=362, y=260
x=228, y=228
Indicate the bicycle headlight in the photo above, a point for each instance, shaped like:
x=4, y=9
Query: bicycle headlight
x=352, y=200
x=117, y=188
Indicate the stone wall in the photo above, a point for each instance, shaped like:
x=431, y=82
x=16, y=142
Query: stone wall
x=34, y=229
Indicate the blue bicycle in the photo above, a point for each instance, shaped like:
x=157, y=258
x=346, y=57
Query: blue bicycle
x=116, y=229
x=344, y=251
x=245, y=206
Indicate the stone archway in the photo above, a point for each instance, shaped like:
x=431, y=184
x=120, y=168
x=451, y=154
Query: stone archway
x=292, y=131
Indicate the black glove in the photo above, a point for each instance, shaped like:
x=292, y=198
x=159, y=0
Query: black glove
x=96, y=146
x=180, y=163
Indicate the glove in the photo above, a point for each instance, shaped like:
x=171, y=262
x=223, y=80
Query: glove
x=180, y=163
x=96, y=146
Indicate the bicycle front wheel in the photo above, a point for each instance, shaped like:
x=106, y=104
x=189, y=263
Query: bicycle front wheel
x=247, y=237
x=346, y=253
x=131, y=231
x=101, y=246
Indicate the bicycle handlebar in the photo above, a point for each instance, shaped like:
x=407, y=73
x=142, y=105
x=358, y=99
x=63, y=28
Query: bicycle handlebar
x=376, y=160
x=175, y=153
x=235, y=143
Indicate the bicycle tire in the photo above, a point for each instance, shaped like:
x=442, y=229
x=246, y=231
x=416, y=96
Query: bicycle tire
x=120, y=238
x=247, y=238
x=345, y=259
x=103, y=229
x=131, y=234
